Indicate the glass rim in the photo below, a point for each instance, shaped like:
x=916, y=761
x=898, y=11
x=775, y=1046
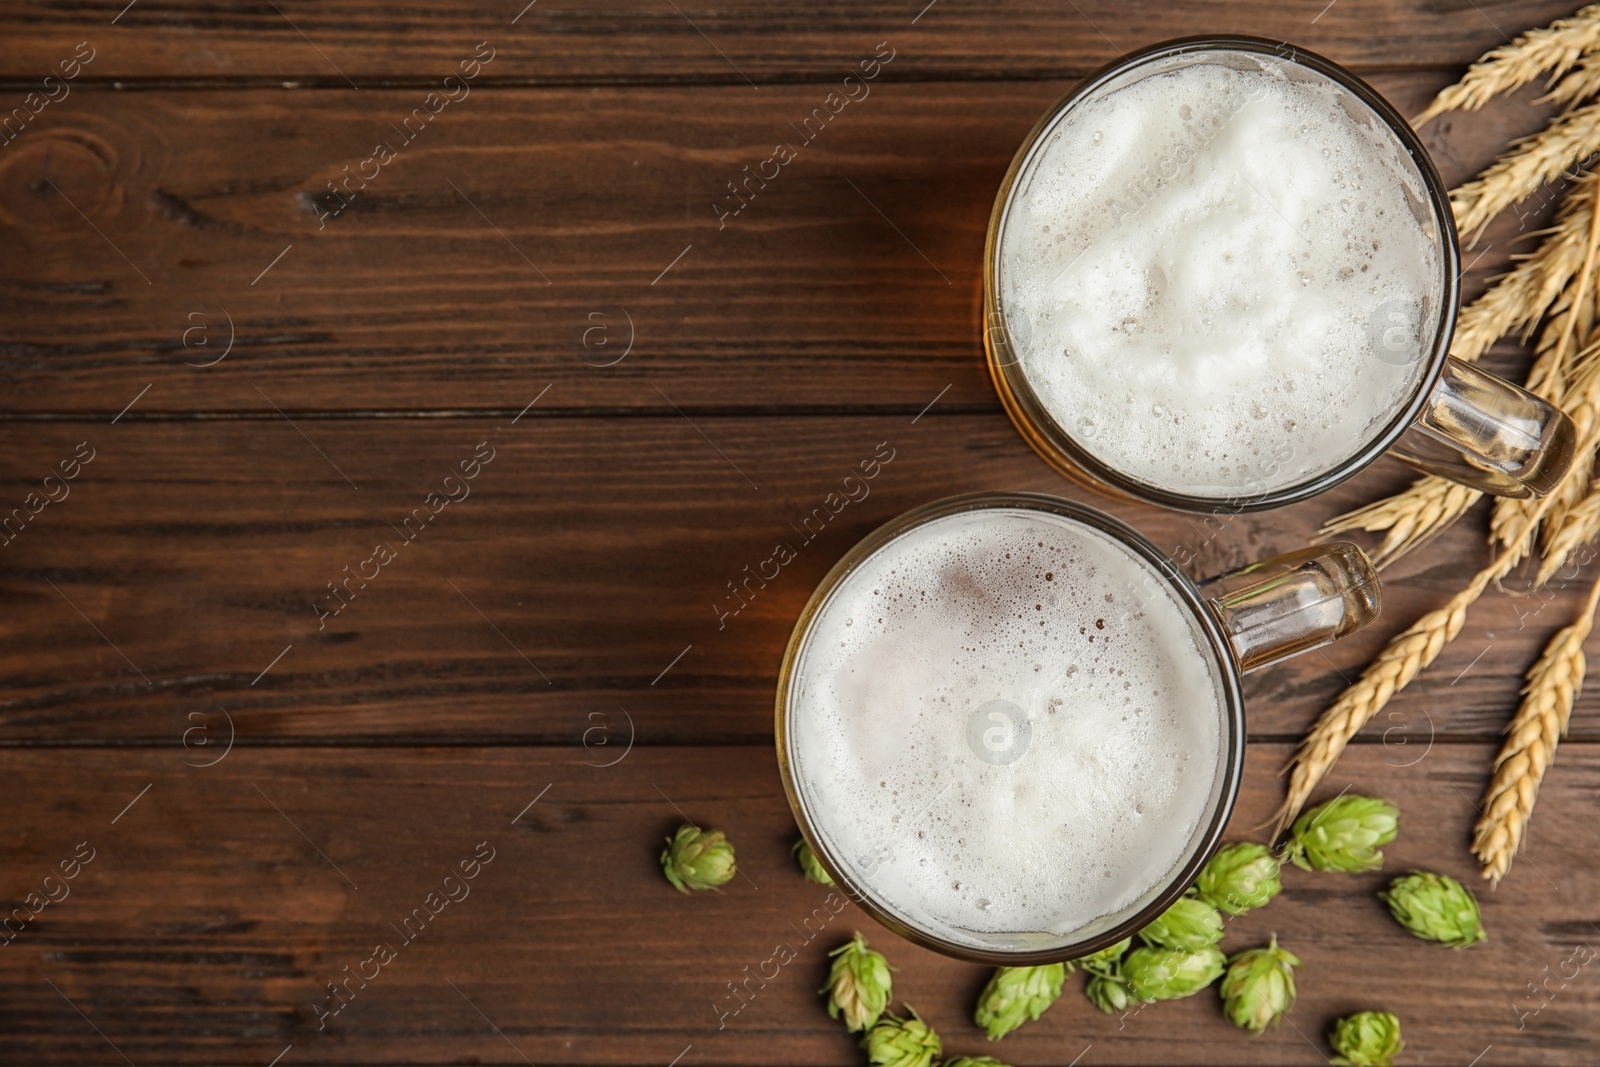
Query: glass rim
x=1206, y=840
x=1058, y=447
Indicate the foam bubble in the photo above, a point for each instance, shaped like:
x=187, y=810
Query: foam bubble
x=953, y=645
x=1206, y=264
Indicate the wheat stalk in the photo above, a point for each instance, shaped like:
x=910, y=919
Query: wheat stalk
x=1550, y=378
x=1554, y=683
x=1579, y=525
x=1400, y=661
x=1519, y=297
x=1531, y=161
x=1553, y=49
x=1419, y=644
x=1516, y=300
x=1411, y=518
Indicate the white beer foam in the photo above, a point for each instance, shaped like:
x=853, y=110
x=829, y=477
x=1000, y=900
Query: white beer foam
x=1200, y=268
x=1123, y=712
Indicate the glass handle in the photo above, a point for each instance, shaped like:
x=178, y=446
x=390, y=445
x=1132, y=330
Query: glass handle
x=1486, y=433
x=1294, y=603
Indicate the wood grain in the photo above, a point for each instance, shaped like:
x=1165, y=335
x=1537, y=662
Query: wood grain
x=206, y=926
x=852, y=280
x=589, y=557
x=742, y=43
x=543, y=668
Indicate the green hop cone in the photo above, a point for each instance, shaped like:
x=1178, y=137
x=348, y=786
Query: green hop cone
x=697, y=859
x=1240, y=877
x=1107, y=961
x=1343, y=834
x=858, y=985
x=973, y=1061
x=1190, y=923
x=813, y=870
x=1434, y=907
x=1109, y=992
x=1258, y=988
x=1366, y=1039
x=1016, y=994
x=896, y=1042
x=1171, y=973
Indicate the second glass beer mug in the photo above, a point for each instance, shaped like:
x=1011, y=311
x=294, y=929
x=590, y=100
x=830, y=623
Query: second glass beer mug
x=1012, y=729
x=1222, y=273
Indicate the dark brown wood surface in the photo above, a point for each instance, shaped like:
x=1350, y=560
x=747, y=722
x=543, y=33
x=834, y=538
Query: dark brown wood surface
x=542, y=277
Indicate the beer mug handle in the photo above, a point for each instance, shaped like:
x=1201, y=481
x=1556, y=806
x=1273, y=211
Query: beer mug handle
x=1486, y=433
x=1286, y=605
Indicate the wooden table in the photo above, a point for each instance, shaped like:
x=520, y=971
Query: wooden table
x=274, y=364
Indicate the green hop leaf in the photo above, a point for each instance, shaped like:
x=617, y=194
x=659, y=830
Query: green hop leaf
x=1107, y=961
x=858, y=984
x=697, y=859
x=1241, y=876
x=1434, y=907
x=1366, y=1039
x=1190, y=923
x=809, y=866
x=1017, y=994
x=1109, y=991
x=896, y=1042
x=973, y=1061
x=1259, y=986
x=1171, y=973
x=1343, y=834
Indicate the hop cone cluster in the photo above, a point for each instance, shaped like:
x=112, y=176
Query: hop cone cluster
x=1259, y=987
x=1016, y=994
x=813, y=870
x=1190, y=924
x=697, y=859
x=1434, y=907
x=1366, y=1039
x=858, y=985
x=1343, y=834
x=1240, y=877
x=897, y=1042
x=1171, y=973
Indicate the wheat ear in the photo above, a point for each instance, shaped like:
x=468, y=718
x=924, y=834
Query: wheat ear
x=1530, y=163
x=1411, y=518
x=1580, y=83
x=1578, y=526
x=1551, y=378
x=1401, y=661
x=1553, y=49
x=1554, y=683
x=1419, y=645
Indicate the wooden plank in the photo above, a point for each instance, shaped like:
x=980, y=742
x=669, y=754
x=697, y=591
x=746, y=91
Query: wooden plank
x=207, y=923
x=587, y=573
x=742, y=43
x=428, y=291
